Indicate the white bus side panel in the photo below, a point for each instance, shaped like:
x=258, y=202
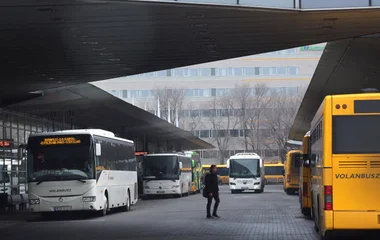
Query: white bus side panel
x=117, y=184
x=185, y=180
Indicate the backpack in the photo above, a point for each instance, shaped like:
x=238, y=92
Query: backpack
x=204, y=190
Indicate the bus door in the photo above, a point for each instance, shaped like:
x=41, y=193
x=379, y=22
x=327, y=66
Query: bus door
x=295, y=168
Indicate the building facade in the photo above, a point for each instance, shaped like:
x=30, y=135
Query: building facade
x=207, y=99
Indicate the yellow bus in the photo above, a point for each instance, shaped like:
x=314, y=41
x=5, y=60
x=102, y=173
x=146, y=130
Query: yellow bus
x=292, y=171
x=345, y=163
x=222, y=172
x=304, y=192
x=273, y=172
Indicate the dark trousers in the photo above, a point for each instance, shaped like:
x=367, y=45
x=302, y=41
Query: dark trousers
x=216, y=204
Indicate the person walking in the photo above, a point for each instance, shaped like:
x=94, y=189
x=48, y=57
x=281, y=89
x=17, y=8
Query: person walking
x=212, y=190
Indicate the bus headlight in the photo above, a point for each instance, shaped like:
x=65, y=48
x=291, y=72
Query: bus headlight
x=256, y=183
x=89, y=199
x=232, y=183
x=175, y=186
x=34, y=201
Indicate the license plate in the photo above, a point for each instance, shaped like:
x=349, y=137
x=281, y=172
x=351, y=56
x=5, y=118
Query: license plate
x=161, y=192
x=67, y=208
x=244, y=187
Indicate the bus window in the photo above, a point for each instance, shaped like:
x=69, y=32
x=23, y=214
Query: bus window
x=222, y=171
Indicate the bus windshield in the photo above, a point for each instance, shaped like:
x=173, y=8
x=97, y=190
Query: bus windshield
x=244, y=168
x=4, y=177
x=160, y=168
x=59, y=158
x=222, y=171
x=361, y=139
x=273, y=170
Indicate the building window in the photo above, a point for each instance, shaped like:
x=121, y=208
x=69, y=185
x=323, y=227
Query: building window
x=221, y=72
x=292, y=70
x=125, y=93
x=249, y=71
x=162, y=73
x=205, y=133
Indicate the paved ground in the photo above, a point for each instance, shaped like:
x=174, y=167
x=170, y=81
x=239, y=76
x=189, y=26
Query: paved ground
x=272, y=215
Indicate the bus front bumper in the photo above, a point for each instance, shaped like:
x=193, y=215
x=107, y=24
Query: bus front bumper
x=157, y=191
x=60, y=204
x=245, y=186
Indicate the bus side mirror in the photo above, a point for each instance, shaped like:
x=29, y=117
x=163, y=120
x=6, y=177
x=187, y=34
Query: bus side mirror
x=306, y=161
x=98, y=149
x=283, y=172
x=313, y=160
x=20, y=151
x=180, y=165
x=228, y=163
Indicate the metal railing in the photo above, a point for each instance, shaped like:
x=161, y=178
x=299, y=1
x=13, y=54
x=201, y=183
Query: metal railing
x=12, y=203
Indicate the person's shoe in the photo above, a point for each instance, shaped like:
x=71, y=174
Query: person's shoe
x=209, y=216
x=215, y=216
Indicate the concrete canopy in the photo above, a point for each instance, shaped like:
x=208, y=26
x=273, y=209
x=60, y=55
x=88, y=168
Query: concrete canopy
x=47, y=44
x=346, y=66
x=94, y=108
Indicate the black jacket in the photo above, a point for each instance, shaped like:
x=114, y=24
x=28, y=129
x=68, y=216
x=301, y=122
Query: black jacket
x=211, y=183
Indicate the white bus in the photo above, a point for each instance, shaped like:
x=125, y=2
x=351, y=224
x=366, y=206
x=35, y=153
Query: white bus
x=246, y=172
x=167, y=174
x=81, y=170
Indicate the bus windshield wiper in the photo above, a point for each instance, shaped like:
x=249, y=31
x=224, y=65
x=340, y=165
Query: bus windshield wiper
x=81, y=180
x=38, y=183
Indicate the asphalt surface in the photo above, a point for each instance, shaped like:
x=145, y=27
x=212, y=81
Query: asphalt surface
x=271, y=215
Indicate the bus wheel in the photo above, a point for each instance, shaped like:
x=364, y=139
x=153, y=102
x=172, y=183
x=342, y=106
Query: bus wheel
x=328, y=235
x=306, y=212
x=103, y=212
x=289, y=191
x=233, y=191
x=128, y=204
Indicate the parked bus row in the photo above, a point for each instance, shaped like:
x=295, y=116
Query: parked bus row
x=92, y=170
x=337, y=170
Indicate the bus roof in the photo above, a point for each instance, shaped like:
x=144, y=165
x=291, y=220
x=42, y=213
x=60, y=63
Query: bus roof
x=217, y=165
x=96, y=132
x=273, y=164
x=294, y=151
x=166, y=154
x=245, y=156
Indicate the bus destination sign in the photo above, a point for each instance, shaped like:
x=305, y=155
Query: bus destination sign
x=59, y=141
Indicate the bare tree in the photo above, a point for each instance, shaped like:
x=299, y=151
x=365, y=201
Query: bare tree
x=170, y=100
x=242, y=95
x=193, y=119
x=222, y=121
x=280, y=120
x=254, y=112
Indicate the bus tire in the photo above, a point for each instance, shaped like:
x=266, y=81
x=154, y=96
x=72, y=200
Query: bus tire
x=233, y=191
x=306, y=212
x=104, y=211
x=128, y=203
x=328, y=235
x=289, y=191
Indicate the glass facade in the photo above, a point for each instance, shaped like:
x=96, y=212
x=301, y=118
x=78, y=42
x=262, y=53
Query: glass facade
x=222, y=72
x=208, y=92
x=15, y=129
